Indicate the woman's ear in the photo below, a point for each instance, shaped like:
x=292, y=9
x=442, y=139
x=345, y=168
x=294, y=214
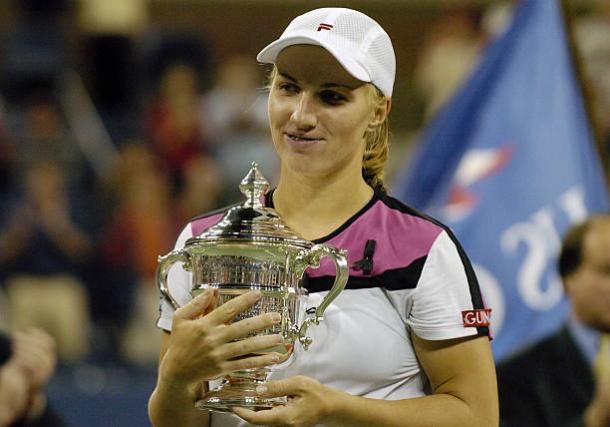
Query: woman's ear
x=380, y=112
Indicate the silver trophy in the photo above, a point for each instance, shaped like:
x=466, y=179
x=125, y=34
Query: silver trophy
x=251, y=249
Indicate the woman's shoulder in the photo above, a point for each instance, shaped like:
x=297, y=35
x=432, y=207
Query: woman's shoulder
x=395, y=216
x=395, y=204
x=419, y=226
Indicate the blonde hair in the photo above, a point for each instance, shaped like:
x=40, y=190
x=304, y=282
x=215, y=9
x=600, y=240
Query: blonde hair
x=377, y=147
x=377, y=141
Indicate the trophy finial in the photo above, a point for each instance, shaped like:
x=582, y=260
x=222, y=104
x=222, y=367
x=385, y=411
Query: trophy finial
x=254, y=186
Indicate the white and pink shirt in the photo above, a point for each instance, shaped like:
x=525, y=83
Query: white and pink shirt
x=417, y=280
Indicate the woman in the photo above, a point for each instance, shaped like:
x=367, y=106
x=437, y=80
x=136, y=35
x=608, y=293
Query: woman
x=406, y=342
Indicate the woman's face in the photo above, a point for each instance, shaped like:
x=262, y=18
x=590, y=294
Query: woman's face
x=318, y=113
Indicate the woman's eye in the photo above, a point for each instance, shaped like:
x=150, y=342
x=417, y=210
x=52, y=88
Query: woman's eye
x=288, y=87
x=331, y=97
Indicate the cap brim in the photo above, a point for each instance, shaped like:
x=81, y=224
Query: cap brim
x=270, y=53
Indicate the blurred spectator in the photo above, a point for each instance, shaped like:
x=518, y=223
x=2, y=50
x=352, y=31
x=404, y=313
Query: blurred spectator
x=27, y=363
x=110, y=30
x=141, y=229
x=45, y=137
x=553, y=382
x=36, y=52
x=202, y=189
x=7, y=159
x=449, y=53
x=497, y=17
x=173, y=123
x=43, y=248
x=236, y=112
x=162, y=49
x=592, y=38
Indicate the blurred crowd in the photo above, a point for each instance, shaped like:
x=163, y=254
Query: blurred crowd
x=113, y=138
x=103, y=161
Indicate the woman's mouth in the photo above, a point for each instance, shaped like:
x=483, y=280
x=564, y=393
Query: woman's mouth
x=300, y=140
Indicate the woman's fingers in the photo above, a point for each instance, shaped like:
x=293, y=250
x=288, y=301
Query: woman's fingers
x=247, y=326
x=223, y=314
x=198, y=306
x=227, y=311
x=251, y=362
x=266, y=417
x=249, y=346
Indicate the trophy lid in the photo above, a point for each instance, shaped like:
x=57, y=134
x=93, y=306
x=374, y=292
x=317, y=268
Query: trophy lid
x=251, y=221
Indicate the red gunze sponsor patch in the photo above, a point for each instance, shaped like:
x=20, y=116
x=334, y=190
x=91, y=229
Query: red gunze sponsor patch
x=476, y=318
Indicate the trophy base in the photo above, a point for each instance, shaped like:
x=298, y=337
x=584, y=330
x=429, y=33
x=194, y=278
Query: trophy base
x=237, y=391
x=254, y=403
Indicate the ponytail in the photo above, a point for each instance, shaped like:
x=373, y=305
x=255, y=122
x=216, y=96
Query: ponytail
x=376, y=150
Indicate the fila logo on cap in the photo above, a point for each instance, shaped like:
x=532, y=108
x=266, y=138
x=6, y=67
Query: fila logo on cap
x=323, y=26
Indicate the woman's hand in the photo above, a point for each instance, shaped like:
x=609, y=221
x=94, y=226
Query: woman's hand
x=309, y=403
x=202, y=345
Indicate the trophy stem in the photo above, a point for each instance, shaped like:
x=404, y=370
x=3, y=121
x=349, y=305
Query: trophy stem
x=239, y=389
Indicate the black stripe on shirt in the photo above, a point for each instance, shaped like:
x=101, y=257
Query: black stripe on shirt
x=392, y=280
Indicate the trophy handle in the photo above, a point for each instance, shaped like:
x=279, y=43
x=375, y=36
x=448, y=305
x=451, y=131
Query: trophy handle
x=339, y=258
x=165, y=263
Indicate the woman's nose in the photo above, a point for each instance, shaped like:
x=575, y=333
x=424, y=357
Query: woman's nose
x=304, y=114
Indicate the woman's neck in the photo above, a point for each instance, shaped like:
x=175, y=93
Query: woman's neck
x=314, y=207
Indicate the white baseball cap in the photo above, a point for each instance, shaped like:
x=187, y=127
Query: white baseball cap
x=359, y=43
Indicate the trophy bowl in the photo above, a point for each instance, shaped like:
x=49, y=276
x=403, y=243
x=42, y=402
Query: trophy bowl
x=251, y=249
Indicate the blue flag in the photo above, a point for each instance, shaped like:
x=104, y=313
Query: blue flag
x=509, y=164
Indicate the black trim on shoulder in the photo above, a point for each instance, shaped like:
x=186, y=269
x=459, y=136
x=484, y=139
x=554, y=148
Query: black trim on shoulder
x=392, y=280
x=393, y=203
x=473, y=284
